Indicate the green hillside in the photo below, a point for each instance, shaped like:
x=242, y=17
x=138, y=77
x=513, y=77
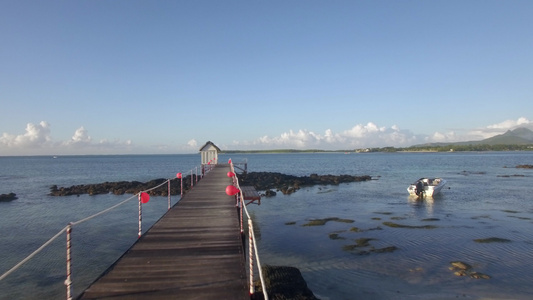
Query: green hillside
x=519, y=136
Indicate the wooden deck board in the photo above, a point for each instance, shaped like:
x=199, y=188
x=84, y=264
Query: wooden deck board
x=194, y=252
x=250, y=193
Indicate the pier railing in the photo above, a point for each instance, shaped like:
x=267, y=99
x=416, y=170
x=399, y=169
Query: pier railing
x=142, y=197
x=252, y=243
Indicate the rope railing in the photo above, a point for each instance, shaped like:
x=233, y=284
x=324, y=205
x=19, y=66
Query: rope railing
x=252, y=243
x=69, y=228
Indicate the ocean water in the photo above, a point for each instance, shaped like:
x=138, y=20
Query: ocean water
x=485, y=197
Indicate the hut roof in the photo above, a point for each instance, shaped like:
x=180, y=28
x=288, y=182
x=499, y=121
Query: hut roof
x=208, y=145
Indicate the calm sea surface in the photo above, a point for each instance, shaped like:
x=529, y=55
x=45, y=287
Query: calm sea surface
x=485, y=197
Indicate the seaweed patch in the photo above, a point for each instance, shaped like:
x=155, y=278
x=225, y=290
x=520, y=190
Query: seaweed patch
x=430, y=219
x=520, y=218
x=396, y=225
x=362, y=246
x=320, y=222
x=359, y=243
x=481, y=217
x=492, y=240
x=336, y=236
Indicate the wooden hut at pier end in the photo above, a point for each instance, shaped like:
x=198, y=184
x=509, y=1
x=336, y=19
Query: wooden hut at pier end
x=209, y=153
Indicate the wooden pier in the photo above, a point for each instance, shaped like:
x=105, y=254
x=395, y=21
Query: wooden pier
x=195, y=251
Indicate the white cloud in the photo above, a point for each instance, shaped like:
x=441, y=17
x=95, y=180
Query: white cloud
x=499, y=128
x=37, y=140
x=36, y=136
x=510, y=124
x=369, y=135
x=439, y=137
x=478, y=134
x=360, y=131
x=81, y=136
x=82, y=141
x=192, y=143
x=190, y=147
x=299, y=139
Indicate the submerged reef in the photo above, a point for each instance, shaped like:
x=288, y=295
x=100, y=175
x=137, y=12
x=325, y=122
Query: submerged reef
x=396, y=225
x=320, y=222
x=8, y=197
x=460, y=268
x=492, y=240
x=524, y=167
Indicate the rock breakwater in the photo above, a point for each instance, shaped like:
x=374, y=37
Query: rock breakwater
x=123, y=187
x=287, y=184
x=263, y=181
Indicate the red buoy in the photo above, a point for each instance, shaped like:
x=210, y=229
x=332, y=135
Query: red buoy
x=231, y=190
x=145, y=197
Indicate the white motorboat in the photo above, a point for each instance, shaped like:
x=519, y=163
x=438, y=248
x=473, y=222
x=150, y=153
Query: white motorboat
x=426, y=187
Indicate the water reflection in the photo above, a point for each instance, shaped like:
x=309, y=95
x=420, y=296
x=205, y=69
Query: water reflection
x=419, y=203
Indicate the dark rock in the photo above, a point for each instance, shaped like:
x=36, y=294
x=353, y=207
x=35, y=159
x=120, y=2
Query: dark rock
x=478, y=275
x=124, y=187
x=264, y=181
x=284, y=283
x=525, y=166
x=385, y=250
x=8, y=197
x=269, y=193
x=288, y=184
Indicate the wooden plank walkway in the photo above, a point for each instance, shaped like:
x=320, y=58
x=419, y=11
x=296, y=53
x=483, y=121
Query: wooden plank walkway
x=194, y=251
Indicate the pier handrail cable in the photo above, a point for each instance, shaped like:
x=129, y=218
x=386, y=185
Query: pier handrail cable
x=252, y=241
x=33, y=253
x=117, y=205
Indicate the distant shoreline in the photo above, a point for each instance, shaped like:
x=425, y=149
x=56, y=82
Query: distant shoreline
x=417, y=149
x=412, y=149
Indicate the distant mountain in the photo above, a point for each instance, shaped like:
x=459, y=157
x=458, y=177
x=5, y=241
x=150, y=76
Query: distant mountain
x=519, y=136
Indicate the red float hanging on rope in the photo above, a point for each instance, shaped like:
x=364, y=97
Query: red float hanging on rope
x=178, y=175
x=231, y=190
x=145, y=197
x=231, y=174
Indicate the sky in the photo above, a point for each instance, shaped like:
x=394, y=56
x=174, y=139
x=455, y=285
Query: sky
x=165, y=77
